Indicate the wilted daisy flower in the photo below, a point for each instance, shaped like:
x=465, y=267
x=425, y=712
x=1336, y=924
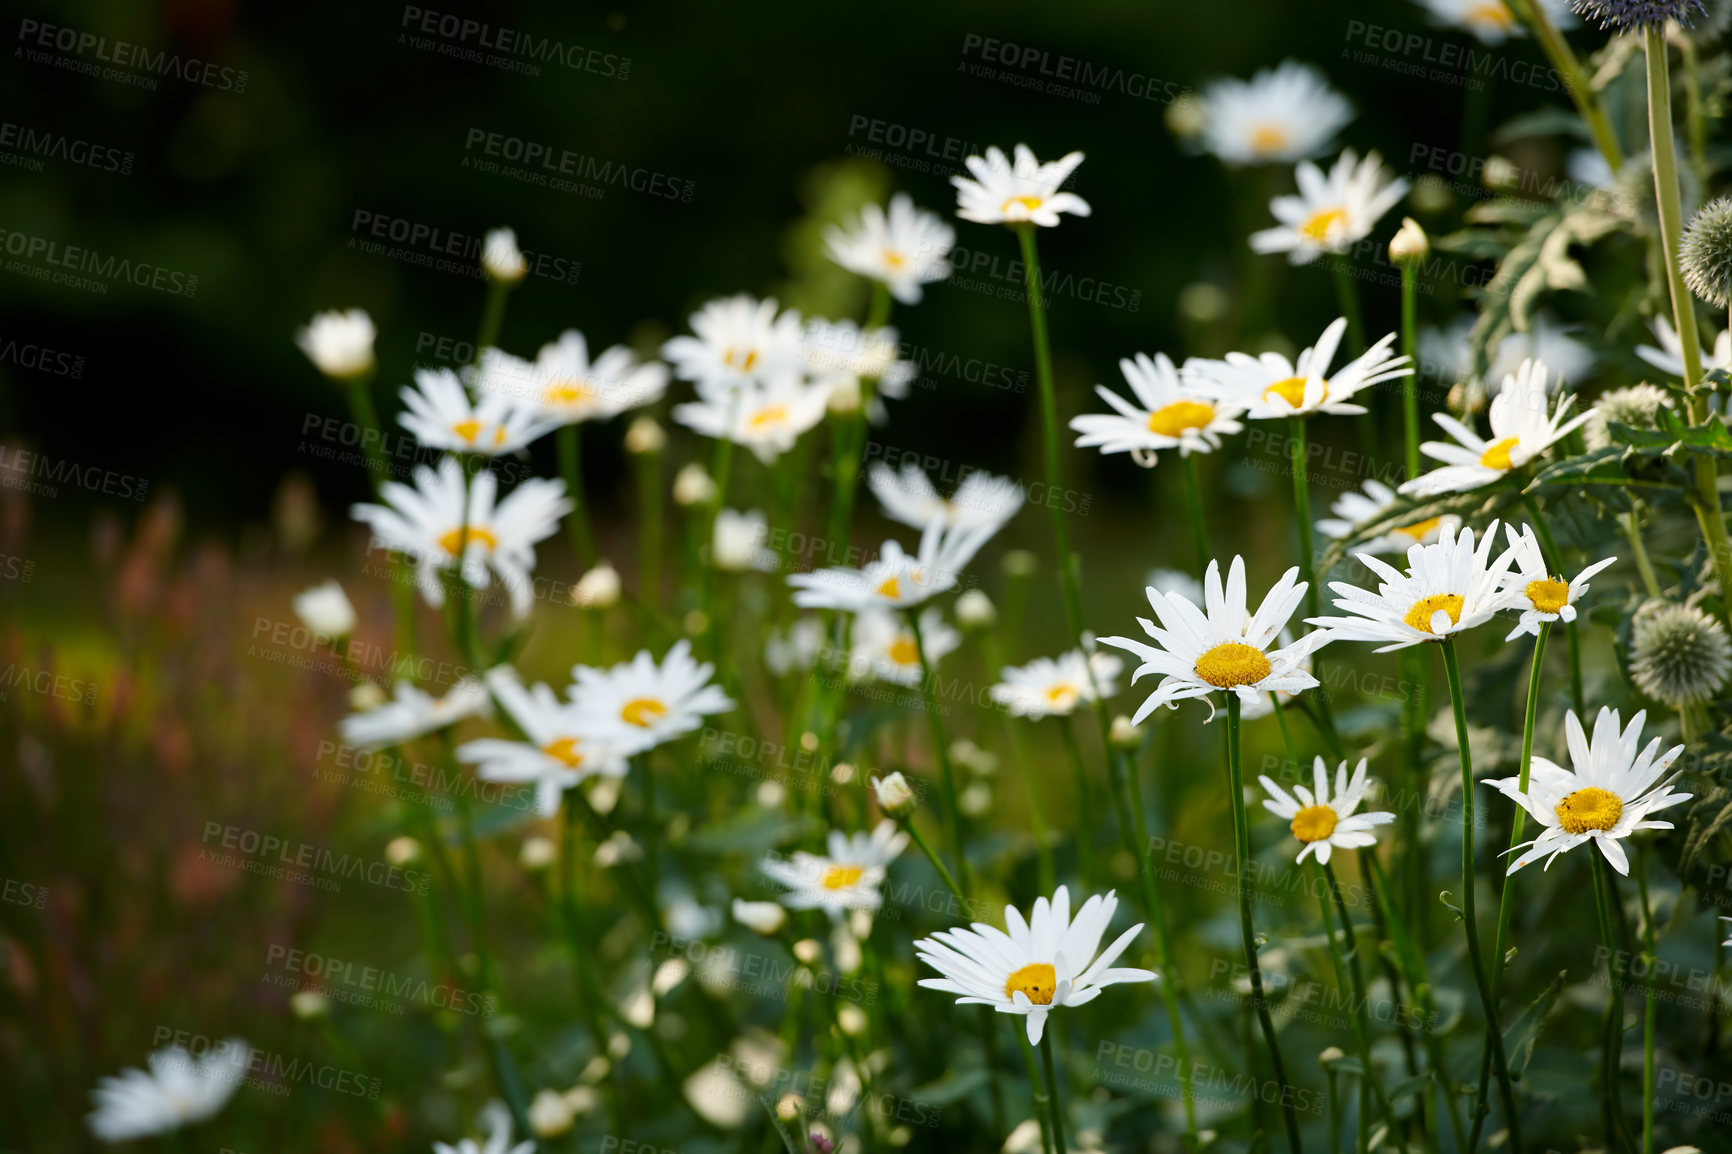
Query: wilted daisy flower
x=340, y=344
x=882, y=646
x=431, y=524
x=498, y=1122
x=1027, y=193
x=1524, y=424
x=1032, y=967
x=766, y=417
x=739, y=539
x=441, y=416
x=1637, y=406
x=1173, y=411
x=796, y=649
x=908, y=497
x=179, y=1090
x=1491, y=20
x=1705, y=252
x=904, y=249
x=1540, y=596
x=1055, y=686
x=1669, y=357
x=1678, y=654
x=1271, y=386
x=895, y=580
x=325, y=609
x=840, y=355
x=1333, y=213
x=1447, y=353
x=1278, y=116
x=565, y=387
x=1354, y=509
x=738, y=339
x=1222, y=646
x=1324, y=822
x=1449, y=587
x=662, y=702
x=563, y=744
x=845, y=878
x=1604, y=797
x=413, y=713
x=1627, y=14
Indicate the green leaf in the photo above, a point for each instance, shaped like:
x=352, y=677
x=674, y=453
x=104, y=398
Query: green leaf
x=1597, y=465
x=781, y=1130
x=1519, y=1039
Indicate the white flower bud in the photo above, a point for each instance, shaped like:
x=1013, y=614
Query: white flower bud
x=808, y=950
x=763, y=917
x=325, y=609
x=1125, y=735
x=692, y=486
x=550, y=1115
x=339, y=344
x=537, y=853
x=645, y=436
x=974, y=610
x=895, y=797
x=976, y=800
x=597, y=589
x=309, y=1004
x=501, y=258
x=1409, y=243
x=367, y=695
x=400, y=851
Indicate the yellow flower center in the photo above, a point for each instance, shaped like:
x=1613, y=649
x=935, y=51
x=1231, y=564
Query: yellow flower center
x=1038, y=980
x=478, y=535
x=1419, y=617
x=1419, y=529
x=643, y=712
x=764, y=418
x=1496, y=455
x=1314, y=823
x=567, y=393
x=1291, y=390
x=1491, y=15
x=1029, y=203
x=903, y=652
x=468, y=430
x=1063, y=696
x=1548, y=596
x=1590, y=809
x=733, y=358
x=890, y=588
x=564, y=750
x=840, y=877
x=1233, y=663
x=1268, y=138
x=1172, y=420
x=894, y=260
x=1318, y=226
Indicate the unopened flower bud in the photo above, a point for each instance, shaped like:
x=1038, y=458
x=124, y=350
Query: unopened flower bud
x=1124, y=735
x=1020, y=563
x=645, y=436
x=1409, y=243
x=597, y=589
x=1186, y=118
x=400, y=851
x=692, y=486
x=308, y=1005
x=974, y=610
x=762, y=917
x=325, y=609
x=367, y=695
x=339, y=344
x=536, y=854
x=895, y=797
x=550, y=1115
x=501, y=258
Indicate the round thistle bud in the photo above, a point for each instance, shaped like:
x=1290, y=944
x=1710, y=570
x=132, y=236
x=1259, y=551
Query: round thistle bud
x=1410, y=243
x=895, y=796
x=1705, y=253
x=1628, y=14
x=1678, y=654
x=1637, y=406
x=974, y=610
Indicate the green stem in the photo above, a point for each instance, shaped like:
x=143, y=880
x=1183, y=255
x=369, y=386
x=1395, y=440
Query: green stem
x=1644, y=566
x=1194, y=508
x=721, y=463
x=1575, y=81
x=1347, y=293
x=492, y=317
x=1494, y=1024
x=571, y=468
x=1067, y=561
x=1247, y=931
x=1019, y=754
x=937, y=863
x=941, y=750
x=1362, y=1121
x=1370, y=1078
x=1649, y=1015
x=649, y=488
x=1036, y=1088
x=1612, y=1032
x=1085, y=804
x=1302, y=513
x=1414, y=670
x=1052, y=1093
x=1410, y=384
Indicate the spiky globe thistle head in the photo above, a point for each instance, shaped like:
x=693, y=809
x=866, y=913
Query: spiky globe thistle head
x=1678, y=654
x=1627, y=14
x=1637, y=407
x=1705, y=253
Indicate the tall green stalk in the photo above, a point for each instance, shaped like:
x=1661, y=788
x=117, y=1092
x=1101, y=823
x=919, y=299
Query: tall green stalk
x=941, y=750
x=1575, y=81
x=1649, y=1015
x=1362, y=1018
x=1085, y=840
x=1493, y=1021
x=1247, y=931
x=570, y=444
x=1612, y=1029
x=1347, y=293
x=1410, y=383
x=1052, y=1093
x=1194, y=512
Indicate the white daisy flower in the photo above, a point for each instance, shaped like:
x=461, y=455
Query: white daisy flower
x=178, y=1090
x=1271, y=386
x=441, y=416
x=766, y=417
x=895, y=580
x=1447, y=354
x=1491, y=20
x=909, y=498
x=1533, y=589
x=1524, y=424
x=1669, y=357
x=430, y=524
x=738, y=339
x=325, y=609
x=413, y=713
x=501, y=258
x=1263, y=704
x=840, y=355
x=1173, y=411
x=1176, y=581
x=498, y=1122
x=1221, y=646
x=1604, y=797
x=845, y=878
x=662, y=701
x=1325, y=822
x=738, y=542
x=1449, y=587
x=340, y=344
x=1026, y=193
x=1279, y=116
x=564, y=745
x=797, y=648
x=1032, y=967
x=1055, y=686
x=904, y=249
x=1333, y=213
x=564, y=387
x=882, y=647
x=1355, y=509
